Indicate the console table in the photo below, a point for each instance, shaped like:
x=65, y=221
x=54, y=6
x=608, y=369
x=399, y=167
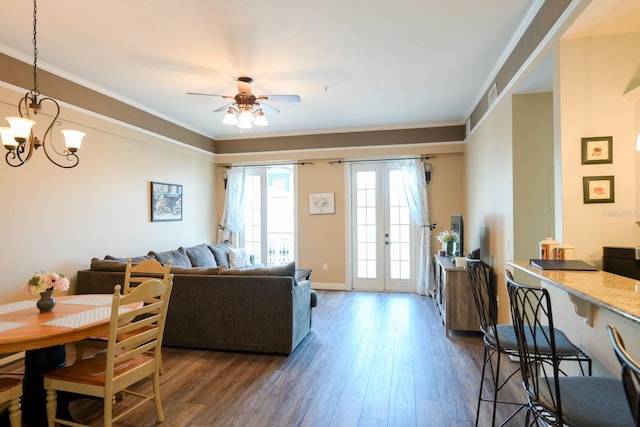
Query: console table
x=454, y=296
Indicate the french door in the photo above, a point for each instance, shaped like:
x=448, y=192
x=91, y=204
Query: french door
x=383, y=232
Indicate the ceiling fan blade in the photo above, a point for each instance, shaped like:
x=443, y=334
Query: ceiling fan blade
x=210, y=94
x=224, y=107
x=281, y=98
x=266, y=108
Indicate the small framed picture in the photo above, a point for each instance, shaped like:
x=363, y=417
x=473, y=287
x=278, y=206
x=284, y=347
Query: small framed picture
x=321, y=203
x=166, y=202
x=598, y=189
x=597, y=150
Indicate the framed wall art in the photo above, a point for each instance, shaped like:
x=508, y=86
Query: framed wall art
x=598, y=189
x=597, y=150
x=166, y=202
x=321, y=203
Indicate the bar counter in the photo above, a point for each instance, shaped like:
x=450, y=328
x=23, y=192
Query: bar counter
x=617, y=294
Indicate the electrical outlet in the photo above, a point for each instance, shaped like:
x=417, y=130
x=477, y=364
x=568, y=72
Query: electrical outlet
x=325, y=266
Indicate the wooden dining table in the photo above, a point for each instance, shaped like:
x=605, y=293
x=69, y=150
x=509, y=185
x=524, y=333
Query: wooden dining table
x=43, y=337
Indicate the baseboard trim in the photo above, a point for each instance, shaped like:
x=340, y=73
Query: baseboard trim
x=329, y=286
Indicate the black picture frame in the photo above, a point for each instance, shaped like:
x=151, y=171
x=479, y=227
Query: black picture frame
x=597, y=150
x=165, y=201
x=598, y=189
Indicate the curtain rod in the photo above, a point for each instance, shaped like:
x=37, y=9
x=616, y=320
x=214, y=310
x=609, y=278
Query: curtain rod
x=228, y=166
x=423, y=157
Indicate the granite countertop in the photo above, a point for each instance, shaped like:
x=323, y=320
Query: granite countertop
x=618, y=294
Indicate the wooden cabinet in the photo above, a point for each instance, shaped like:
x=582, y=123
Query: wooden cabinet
x=454, y=297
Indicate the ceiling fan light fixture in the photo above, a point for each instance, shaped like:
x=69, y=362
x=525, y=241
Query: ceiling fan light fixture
x=230, y=118
x=243, y=124
x=246, y=116
x=260, y=119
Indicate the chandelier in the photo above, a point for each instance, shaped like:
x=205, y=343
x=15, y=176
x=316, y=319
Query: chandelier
x=19, y=139
x=244, y=116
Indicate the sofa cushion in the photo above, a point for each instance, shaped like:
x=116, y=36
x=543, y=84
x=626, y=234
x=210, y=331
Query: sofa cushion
x=238, y=258
x=134, y=260
x=204, y=271
x=200, y=256
x=220, y=252
x=98, y=264
x=178, y=257
x=281, y=270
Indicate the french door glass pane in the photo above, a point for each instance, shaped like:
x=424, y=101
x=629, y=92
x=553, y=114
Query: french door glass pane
x=399, y=229
x=366, y=235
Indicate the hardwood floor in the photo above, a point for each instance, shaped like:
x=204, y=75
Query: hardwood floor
x=371, y=359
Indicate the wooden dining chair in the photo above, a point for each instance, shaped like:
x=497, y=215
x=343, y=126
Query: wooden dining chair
x=11, y=392
x=132, y=355
x=554, y=399
x=134, y=274
x=630, y=373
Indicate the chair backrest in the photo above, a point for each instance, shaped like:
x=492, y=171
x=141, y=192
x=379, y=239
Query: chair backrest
x=139, y=330
x=533, y=323
x=483, y=296
x=630, y=373
x=143, y=271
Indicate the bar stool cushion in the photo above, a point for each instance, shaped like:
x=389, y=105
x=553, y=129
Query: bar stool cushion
x=564, y=347
x=593, y=401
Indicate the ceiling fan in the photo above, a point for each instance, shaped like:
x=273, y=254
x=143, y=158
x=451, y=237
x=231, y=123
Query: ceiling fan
x=247, y=109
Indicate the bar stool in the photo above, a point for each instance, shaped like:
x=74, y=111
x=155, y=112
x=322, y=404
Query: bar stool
x=501, y=339
x=630, y=373
x=555, y=399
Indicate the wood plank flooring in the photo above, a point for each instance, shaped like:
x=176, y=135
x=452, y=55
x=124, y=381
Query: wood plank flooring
x=371, y=359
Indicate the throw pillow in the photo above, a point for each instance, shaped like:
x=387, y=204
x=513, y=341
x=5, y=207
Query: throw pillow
x=238, y=258
x=281, y=270
x=200, y=256
x=178, y=258
x=221, y=253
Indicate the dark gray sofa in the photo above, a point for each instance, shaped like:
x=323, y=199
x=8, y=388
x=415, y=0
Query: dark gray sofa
x=252, y=309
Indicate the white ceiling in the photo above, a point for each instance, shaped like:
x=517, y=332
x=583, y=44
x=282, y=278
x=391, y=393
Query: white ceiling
x=357, y=65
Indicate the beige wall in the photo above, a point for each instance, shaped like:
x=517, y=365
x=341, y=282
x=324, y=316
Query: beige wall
x=57, y=219
x=533, y=177
x=490, y=194
x=593, y=75
x=323, y=238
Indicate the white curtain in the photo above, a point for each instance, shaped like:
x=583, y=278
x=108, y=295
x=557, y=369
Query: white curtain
x=415, y=189
x=233, y=214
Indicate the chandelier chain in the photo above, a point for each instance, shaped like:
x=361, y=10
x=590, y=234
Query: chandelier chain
x=35, y=90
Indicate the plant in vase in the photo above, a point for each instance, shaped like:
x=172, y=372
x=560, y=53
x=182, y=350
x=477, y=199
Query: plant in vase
x=44, y=285
x=448, y=240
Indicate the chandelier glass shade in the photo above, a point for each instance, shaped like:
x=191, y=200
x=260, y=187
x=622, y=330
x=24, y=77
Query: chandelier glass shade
x=245, y=118
x=19, y=139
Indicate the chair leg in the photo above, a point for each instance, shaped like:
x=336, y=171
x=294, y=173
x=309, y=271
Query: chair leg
x=108, y=410
x=52, y=404
x=156, y=397
x=15, y=416
x=484, y=365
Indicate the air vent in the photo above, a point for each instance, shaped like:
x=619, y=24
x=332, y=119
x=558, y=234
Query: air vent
x=493, y=94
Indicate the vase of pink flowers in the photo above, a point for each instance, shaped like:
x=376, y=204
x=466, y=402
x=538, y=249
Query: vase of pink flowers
x=44, y=285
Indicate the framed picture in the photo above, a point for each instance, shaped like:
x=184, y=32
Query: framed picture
x=321, y=203
x=596, y=150
x=166, y=202
x=598, y=189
